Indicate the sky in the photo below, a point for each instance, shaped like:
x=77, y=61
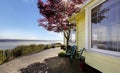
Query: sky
x=18, y=20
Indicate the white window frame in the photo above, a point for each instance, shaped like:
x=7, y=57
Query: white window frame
x=88, y=32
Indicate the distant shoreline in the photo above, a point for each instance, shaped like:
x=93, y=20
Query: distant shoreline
x=12, y=43
x=26, y=40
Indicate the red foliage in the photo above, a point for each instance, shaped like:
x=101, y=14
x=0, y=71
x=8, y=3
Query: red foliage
x=56, y=12
x=78, y=1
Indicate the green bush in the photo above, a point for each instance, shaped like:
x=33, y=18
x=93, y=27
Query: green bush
x=2, y=57
x=1, y=53
x=40, y=47
x=63, y=47
x=26, y=50
x=8, y=54
x=57, y=44
x=48, y=46
x=61, y=54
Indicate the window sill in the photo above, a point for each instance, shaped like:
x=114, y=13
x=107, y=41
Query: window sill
x=105, y=52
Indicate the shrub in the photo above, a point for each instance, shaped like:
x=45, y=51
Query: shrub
x=63, y=47
x=26, y=50
x=53, y=46
x=2, y=57
x=17, y=51
x=39, y=47
x=8, y=54
x=57, y=44
x=48, y=46
x=61, y=54
x=1, y=53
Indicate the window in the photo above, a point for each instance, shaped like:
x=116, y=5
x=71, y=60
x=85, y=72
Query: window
x=105, y=26
x=72, y=38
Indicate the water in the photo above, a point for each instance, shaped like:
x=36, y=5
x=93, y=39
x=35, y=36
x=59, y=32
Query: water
x=9, y=44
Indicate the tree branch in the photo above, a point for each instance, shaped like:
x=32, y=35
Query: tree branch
x=65, y=34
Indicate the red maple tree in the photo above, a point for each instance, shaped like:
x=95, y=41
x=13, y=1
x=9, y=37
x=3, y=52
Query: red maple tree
x=56, y=14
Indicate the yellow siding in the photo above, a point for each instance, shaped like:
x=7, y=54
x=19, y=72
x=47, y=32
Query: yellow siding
x=103, y=63
x=81, y=31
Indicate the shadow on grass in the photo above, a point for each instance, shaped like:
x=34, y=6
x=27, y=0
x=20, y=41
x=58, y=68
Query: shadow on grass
x=53, y=65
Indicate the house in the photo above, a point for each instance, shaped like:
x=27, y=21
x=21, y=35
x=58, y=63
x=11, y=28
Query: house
x=98, y=30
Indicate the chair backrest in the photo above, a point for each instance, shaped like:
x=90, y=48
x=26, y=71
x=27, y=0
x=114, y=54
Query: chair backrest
x=73, y=49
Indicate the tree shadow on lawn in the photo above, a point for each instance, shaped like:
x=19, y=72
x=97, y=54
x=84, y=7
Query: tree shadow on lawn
x=53, y=65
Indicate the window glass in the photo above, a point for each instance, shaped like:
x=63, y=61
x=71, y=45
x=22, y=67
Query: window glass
x=94, y=15
x=119, y=14
x=118, y=2
x=111, y=15
x=105, y=26
x=94, y=36
x=118, y=40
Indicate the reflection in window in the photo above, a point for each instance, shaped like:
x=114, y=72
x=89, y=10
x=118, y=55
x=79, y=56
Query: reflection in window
x=105, y=25
x=119, y=14
x=72, y=40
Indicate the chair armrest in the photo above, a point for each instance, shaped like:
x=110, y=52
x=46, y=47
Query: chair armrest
x=78, y=51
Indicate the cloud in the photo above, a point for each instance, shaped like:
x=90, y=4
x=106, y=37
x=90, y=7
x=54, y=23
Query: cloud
x=59, y=36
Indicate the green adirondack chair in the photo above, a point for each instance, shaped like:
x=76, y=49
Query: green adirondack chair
x=80, y=56
x=71, y=53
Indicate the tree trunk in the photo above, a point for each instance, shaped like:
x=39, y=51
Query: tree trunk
x=67, y=40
